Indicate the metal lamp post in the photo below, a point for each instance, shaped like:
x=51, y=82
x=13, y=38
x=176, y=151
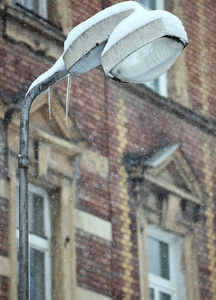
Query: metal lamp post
x=132, y=45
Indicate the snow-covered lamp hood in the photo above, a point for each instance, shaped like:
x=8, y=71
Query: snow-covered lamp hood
x=143, y=46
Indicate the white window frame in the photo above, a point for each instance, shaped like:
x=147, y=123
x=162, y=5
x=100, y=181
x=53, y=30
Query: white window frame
x=176, y=285
x=42, y=243
x=159, y=4
x=162, y=85
x=162, y=80
x=42, y=6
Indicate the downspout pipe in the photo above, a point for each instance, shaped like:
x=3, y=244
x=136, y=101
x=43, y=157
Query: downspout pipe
x=23, y=164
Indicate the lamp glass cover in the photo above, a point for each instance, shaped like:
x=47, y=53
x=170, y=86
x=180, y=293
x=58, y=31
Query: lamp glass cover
x=148, y=62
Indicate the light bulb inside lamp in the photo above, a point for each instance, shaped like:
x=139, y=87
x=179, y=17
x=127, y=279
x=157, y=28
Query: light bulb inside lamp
x=150, y=61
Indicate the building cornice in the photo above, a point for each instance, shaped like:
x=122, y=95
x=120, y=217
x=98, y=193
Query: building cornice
x=187, y=114
x=38, y=34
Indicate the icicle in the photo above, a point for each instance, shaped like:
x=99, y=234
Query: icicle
x=49, y=101
x=68, y=97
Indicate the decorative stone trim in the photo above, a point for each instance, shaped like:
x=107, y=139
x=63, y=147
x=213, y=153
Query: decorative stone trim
x=4, y=266
x=40, y=36
x=96, y=163
x=93, y=225
x=83, y=294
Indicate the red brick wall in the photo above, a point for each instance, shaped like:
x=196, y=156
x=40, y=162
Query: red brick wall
x=4, y=288
x=92, y=184
x=19, y=68
x=201, y=51
x=94, y=270
x=4, y=227
x=82, y=10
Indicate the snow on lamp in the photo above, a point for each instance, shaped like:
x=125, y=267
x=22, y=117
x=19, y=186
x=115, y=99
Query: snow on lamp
x=147, y=45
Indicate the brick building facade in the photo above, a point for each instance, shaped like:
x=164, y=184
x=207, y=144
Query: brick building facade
x=129, y=182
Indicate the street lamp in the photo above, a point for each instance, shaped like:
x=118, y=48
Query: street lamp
x=131, y=44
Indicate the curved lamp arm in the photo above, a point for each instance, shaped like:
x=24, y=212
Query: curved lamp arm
x=23, y=163
x=81, y=54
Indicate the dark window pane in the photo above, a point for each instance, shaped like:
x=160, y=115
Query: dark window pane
x=164, y=252
x=35, y=6
x=152, y=296
x=149, y=3
x=36, y=214
x=158, y=258
x=37, y=280
x=163, y=296
x=36, y=274
x=32, y=5
x=17, y=210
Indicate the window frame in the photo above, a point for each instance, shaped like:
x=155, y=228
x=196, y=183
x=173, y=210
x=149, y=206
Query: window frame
x=175, y=244
x=162, y=85
x=159, y=4
x=159, y=185
x=162, y=80
x=42, y=7
x=42, y=243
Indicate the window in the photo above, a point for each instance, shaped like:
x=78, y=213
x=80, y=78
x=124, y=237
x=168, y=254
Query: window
x=166, y=280
x=160, y=84
x=152, y=4
x=167, y=250
x=39, y=244
x=37, y=6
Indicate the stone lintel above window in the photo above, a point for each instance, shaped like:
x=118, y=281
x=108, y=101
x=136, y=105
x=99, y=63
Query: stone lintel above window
x=167, y=189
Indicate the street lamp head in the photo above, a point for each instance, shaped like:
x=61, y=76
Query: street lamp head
x=146, y=49
x=148, y=62
x=132, y=44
